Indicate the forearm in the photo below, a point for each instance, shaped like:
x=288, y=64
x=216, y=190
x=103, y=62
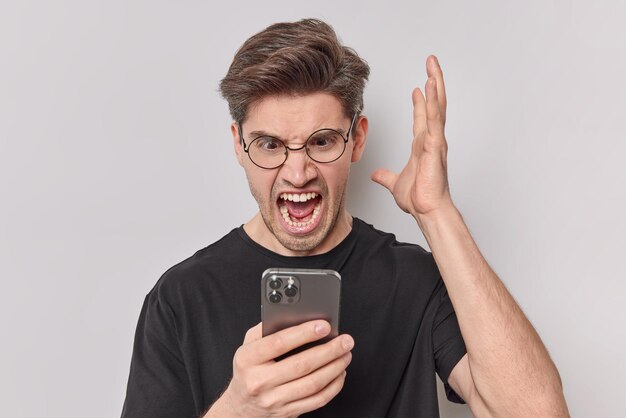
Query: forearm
x=510, y=366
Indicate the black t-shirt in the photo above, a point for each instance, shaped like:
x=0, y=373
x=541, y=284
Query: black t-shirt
x=393, y=303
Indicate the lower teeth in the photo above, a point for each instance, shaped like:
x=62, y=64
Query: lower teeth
x=290, y=222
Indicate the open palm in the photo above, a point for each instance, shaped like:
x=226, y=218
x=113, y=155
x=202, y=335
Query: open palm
x=422, y=186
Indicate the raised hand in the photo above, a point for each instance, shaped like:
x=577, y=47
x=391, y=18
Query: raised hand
x=422, y=186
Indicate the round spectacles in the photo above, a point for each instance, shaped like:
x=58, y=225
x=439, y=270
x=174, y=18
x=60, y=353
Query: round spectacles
x=323, y=146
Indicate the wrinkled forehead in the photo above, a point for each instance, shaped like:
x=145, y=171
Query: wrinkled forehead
x=293, y=117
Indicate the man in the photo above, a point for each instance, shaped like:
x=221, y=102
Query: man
x=198, y=349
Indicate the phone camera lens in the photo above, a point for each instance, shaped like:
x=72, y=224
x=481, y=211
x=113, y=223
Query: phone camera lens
x=276, y=283
x=291, y=290
x=275, y=297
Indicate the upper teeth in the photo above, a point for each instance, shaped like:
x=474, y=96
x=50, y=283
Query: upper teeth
x=295, y=197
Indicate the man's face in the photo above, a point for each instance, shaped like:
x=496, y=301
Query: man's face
x=307, y=222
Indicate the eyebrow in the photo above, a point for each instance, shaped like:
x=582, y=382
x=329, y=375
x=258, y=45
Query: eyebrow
x=256, y=134
x=260, y=133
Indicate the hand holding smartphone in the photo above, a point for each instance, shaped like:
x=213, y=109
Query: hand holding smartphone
x=291, y=386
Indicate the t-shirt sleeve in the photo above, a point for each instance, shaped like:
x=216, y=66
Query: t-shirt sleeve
x=448, y=343
x=158, y=385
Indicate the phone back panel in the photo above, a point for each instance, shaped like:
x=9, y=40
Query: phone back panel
x=317, y=297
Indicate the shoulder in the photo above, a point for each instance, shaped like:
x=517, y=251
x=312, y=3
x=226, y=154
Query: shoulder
x=382, y=251
x=410, y=271
x=187, y=276
x=369, y=232
x=377, y=240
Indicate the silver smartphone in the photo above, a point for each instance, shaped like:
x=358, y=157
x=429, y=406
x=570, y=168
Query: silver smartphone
x=292, y=296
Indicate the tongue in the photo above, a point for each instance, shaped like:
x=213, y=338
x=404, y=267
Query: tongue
x=301, y=209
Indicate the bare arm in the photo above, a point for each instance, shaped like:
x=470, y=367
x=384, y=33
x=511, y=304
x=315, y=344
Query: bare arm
x=507, y=371
x=507, y=363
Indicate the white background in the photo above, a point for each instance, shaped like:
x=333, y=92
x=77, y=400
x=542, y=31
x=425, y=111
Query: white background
x=116, y=163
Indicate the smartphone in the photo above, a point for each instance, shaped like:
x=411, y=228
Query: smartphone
x=292, y=296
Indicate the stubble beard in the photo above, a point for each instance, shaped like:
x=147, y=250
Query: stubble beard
x=303, y=243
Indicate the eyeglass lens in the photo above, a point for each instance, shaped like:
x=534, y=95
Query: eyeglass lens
x=324, y=146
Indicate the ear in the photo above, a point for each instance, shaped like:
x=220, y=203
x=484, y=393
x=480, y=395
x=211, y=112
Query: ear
x=237, y=142
x=359, y=137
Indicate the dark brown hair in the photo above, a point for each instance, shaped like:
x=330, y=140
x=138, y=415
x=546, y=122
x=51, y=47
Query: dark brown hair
x=294, y=58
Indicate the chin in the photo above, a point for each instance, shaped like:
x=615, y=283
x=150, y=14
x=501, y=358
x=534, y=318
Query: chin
x=301, y=242
x=304, y=238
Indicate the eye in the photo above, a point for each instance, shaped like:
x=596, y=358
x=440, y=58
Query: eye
x=324, y=140
x=268, y=144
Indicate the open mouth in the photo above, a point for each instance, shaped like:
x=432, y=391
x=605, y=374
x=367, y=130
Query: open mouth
x=300, y=212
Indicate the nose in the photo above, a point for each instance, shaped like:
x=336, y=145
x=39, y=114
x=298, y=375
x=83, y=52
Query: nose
x=298, y=169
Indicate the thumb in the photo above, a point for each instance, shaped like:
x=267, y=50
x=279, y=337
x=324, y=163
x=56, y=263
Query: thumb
x=385, y=178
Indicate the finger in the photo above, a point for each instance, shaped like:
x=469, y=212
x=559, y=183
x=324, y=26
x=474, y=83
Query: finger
x=419, y=113
x=385, y=178
x=281, y=342
x=433, y=68
x=313, y=383
x=253, y=334
x=318, y=400
x=310, y=360
x=433, y=117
